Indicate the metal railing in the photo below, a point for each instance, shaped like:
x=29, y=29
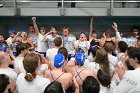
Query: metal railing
x=63, y=1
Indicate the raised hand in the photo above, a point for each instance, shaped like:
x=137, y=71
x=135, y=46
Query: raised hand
x=115, y=26
x=34, y=18
x=91, y=19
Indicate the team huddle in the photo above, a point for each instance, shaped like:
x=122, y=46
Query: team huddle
x=41, y=61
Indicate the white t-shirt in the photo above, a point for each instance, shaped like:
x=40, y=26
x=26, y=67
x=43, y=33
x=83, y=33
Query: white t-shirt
x=68, y=43
x=50, y=40
x=42, y=69
x=104, y=89
x=129, y=82
x=9, y=40
x=112, y=59
x=50, y=54
x=93, y=66
x=82, y=45
x=9, y=72
x=18, y=64
x=38, y=85
x=131, y=41
x=41, y=44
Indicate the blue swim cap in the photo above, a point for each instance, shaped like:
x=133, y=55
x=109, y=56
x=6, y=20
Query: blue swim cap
x=12, y=31
x=80, y=58
x=59, y=60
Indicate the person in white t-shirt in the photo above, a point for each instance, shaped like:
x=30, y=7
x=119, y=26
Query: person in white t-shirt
x=68, y=42
x=33, y=35
x=12, y=35
x=121, y=47
x=109, y=47
x=42, y=45
x=105, y=80
x=82, y=43
x=22, y=50
x=31, y=82
x=4, y=69
x=50, y=54
x=130, y=81
x=50, y=38
x=131, y=40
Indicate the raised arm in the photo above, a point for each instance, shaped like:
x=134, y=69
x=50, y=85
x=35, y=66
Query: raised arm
x=14, y=39
x=46, y=35
x=115, y=27
x=91, y=28
x=35, y=25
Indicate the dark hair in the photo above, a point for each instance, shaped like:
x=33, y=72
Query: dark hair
x=54, y=87
x=94, y=50
x=30, y=63
x=129, y=67
x=58, y=41
x=104, y=78
x=54, y=27
x=31, y=25
x=122, y=46
x=4, y=82
x=67, y=28
x=90, y=85
x=63, y=51
x=138, y=38
x=134, y=53
x=134, y=27
x=21, y=47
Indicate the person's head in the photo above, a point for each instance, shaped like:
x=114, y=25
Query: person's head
x=31, y=29
x=134, y=56
x=31, y=64
x=66, y=31
x=43, y=30
x=54, y=87
x=90, y=85
x=82, y=36
x=108, y=32
x=1, y=39
x=12, y=33
x=135, y=31
x=138, y=41
x=59, y=60
x=122, y=46
x=53, y=29
x=79, y=58
x=4, y=59
x=102, y=59
x=104, y=78
x=109, y=47
x=94, y=35
x=94, y=50
x=58, y=41
x=129, y=67
x=63, y=51
x=23, y=34
x=22, y=48
x=4, y=82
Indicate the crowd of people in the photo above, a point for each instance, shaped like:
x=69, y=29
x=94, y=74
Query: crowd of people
x=41, y=61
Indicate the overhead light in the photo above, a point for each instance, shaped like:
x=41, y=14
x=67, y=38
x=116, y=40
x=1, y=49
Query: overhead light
x=1, y=5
